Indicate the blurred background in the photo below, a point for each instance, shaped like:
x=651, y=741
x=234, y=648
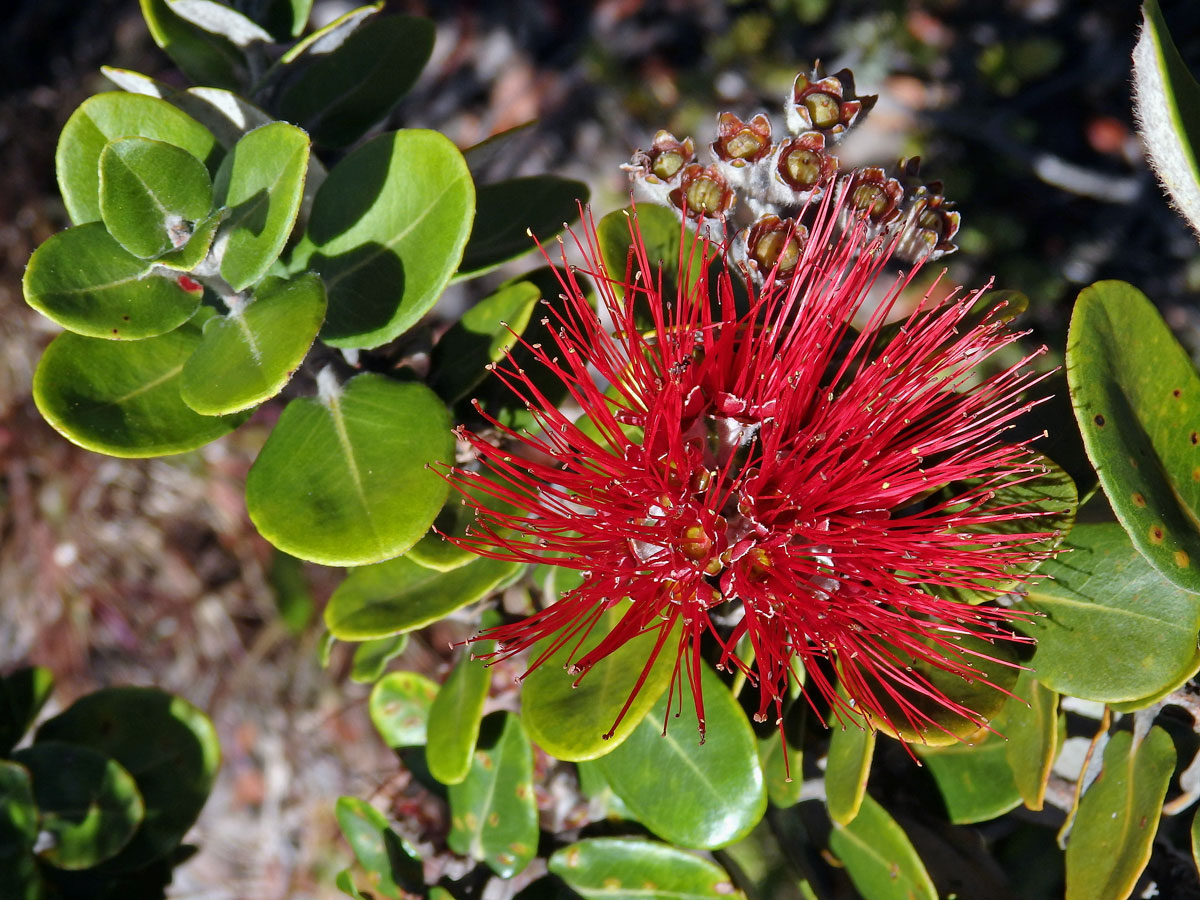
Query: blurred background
x=149, y=572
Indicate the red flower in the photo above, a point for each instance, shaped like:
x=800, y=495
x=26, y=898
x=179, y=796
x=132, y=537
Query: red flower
x=770, y=474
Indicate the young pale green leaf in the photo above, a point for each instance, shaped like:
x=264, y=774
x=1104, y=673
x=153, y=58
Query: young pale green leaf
x=879, y=858
x=397, y=596
x=1137, y=400
x=174, y=771
x=509, y=211
x=399, y=708
x=974, y=778
x=86, y=802
x=1029, y=721
x=337, y=94
x=150, y=194
x=1167, y=106
x=390, y=862
x=247, y=356
x=122, y=398
x=105, y=117
x=23, y=693
x=343, y=479
x=372, y=657
x=639, y=869
x=694, y=794
x=89, y=284
x=493, y=812
x=483, y=335
x=568, y=716
x=204, y=56
x=1118, y=817
x=261, y=182
x=1109, y=626
x=387, y=231
x=851, y=749
x=454, y=718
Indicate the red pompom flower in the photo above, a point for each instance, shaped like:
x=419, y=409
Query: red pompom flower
x=764, y=476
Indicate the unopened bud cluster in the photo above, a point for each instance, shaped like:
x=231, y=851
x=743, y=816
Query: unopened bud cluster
x=764, y=190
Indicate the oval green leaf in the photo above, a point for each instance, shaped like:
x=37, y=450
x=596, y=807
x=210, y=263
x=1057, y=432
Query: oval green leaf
x=85, y=281
x=205, y=57
x=851, y=749
x=1109, y=626
x=390, y=862
x=387, y=231
x=247, y=356
x=399, y=708
x=113, y=115
x=1118, y=817
x=455, y=716
x=703, y=795
x=974, y=778
x=371, y=657
x=1137, y=400
x=18, y=812
x=123, y=398
x=879, y=858
x=1029, y=721
x=343, y=480
x=493, y=812
x=638, y=869
x=261, y=181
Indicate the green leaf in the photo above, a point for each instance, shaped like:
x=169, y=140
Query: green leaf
x=509, y=211
x=262, y=182
x=390, y=862
x=638, y=869
x=150, y=193
x=454, y=717
x=1137, y=400
x=113, y=115
x=783, y=789
x=283, y=18
x=1118, y=817
x=122, y=398
x=436, y=552
x=975, y=780
x=372, y=657
x=23, y=693
x=338, y=94
x=847, y=768
x=293, y=597
x=204, y=56
x=195, y=251
x=483, y=335
x=399, y=707
x=694, y=794
x=331, y=36
x=228, y=116
x=247, y=356
x=1167, y=105
x=879, y=858
x=603, y=802
x=18, y=812
x=1029, y=721
x=342, y=480
x=1196, y=839
x=568, y=715
x=85, y=281
x=398, y=596
x=1110, y=628
x=387, y=231
x=167, y=745
x=493, y=812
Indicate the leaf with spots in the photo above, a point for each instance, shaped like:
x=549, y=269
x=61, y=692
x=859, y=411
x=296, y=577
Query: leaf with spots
x=390, y=863
x=639, y=869
x=493, y=812
x=1137, y=399
x=879, y=858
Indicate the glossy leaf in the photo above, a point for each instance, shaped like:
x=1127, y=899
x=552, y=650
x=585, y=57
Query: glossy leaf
x=86, y=802
x=1029, y=721
x=1110, y=628
x=85, y=281
x=247, y=356
x=398, y=595
x=387, y=231
x=23, y=693
x=112, y=115
x=122, y=398
x=1137, y=401
x=371, y=657
x=508, y=212
x=399, y=708
x=262, y=182
x=167, y=745
x=639, y=869
x=203, y=56
x=568, y=715
x=493, y=812
x=329, y=37
x=150, y=193
x=847, y=768
x=1118, y=817
x=454, y=718
x=342, y=480
x=974, y=778
x=339, y=94
x=390, y=862
x=879, y=858
x=694, y=794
